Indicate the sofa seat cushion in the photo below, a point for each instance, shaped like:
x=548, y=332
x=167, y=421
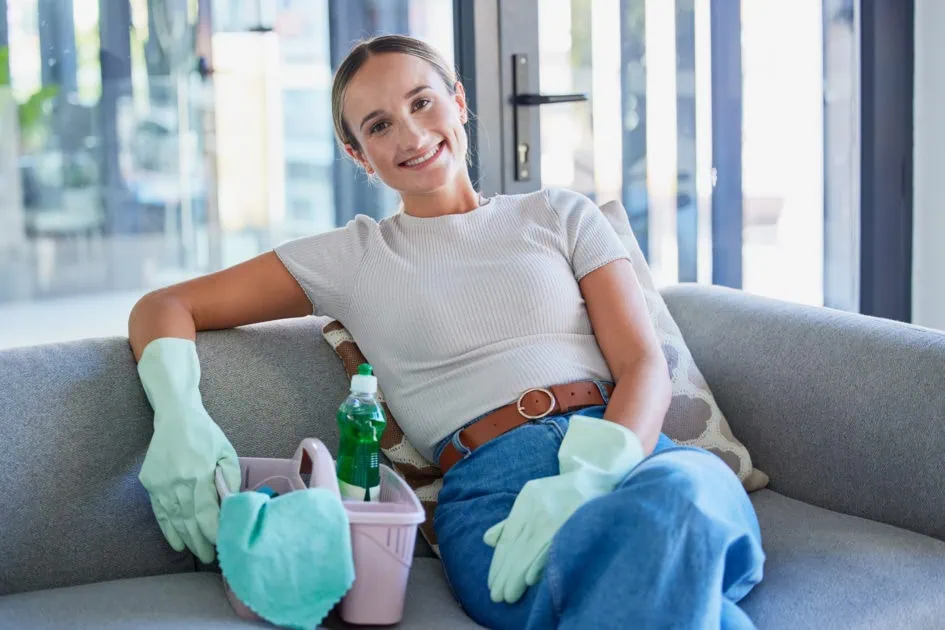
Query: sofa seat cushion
x=197, y=601
x=823, y=570
x=830, y=570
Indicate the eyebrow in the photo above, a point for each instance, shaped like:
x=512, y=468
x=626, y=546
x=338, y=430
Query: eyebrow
x=378, y=112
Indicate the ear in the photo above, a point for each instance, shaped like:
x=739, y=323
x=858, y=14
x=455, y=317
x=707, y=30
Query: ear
x=460, y=97
x=358, y=157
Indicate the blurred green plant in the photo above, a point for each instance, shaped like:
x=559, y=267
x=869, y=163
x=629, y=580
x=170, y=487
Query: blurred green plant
x=30, y=112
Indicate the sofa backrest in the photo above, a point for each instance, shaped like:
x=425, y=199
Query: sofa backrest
x=841, y=410
x=75, y=425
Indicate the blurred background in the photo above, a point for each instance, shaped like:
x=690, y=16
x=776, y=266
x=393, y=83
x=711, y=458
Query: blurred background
x=143, y=142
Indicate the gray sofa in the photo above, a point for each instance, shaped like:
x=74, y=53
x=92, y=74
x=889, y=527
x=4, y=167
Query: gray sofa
x=844, y=412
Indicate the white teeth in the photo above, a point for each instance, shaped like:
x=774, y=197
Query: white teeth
x=423, y=158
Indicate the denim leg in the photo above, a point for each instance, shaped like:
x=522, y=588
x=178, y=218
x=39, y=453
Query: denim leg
x=477, y=493
x=676, y=545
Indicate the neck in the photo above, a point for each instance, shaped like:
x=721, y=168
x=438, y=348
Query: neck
x=457, y=198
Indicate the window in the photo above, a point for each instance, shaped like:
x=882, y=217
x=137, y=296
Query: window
x=728, y=130
x=133, y=166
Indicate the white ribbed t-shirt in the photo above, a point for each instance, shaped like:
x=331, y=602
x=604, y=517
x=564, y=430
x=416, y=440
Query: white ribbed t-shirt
x=460, y=314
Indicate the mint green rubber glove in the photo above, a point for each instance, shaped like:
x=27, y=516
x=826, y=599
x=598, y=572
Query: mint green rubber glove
x=185, y=450
x=594, y=457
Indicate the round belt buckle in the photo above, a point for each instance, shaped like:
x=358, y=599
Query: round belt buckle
x=551, y=404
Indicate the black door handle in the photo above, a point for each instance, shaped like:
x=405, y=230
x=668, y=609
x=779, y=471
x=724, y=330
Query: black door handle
x=523, y=99
x=548, y=99
x=203, y=68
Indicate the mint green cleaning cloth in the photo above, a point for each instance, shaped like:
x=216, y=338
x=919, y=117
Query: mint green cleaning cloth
x=287, y=558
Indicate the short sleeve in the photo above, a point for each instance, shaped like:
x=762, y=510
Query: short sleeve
x=590, y=240
x=326, y=265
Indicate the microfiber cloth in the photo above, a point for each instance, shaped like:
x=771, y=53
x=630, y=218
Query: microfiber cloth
x=287, y=558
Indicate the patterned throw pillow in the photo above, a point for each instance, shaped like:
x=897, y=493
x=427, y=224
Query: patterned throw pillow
x=694, y=418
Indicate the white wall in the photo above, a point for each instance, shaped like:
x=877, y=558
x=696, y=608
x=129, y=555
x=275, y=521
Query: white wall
x=928, y=258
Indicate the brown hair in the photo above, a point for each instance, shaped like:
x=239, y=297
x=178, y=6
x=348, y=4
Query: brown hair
x=376, y=46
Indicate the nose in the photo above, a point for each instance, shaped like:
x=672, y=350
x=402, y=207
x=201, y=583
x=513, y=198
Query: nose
x=411, y=135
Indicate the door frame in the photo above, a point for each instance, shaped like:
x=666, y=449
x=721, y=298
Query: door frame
x=487, y=33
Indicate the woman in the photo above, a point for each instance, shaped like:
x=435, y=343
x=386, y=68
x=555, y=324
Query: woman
x=515, y=348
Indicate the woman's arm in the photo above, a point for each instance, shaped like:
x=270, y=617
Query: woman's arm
x=618, y=314
x=258, y=290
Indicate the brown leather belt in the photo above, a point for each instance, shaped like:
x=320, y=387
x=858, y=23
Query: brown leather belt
x=531, y=405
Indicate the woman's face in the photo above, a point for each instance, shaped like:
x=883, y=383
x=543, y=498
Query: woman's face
x=408, y=125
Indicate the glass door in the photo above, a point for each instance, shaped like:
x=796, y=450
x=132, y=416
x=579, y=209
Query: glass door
x=726, y=129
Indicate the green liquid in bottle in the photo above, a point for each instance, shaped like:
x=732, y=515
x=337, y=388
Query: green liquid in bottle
x=361, y=424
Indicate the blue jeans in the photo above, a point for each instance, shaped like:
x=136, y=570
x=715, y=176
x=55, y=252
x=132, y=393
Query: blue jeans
x=675, y=545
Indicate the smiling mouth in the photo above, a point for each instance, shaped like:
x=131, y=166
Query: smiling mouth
x=427, y=157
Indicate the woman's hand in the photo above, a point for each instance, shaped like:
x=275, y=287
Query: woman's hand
x=522, y=540
x=593, y=458
x=185, y=450
x=178, y=473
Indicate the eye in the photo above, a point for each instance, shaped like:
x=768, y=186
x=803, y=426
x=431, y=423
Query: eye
x=378, y=127
x=421, y=103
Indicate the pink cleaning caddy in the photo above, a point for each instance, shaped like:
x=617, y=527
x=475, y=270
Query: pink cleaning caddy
x=383, y=533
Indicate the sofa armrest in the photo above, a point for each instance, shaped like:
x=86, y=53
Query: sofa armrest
x=841, y=410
